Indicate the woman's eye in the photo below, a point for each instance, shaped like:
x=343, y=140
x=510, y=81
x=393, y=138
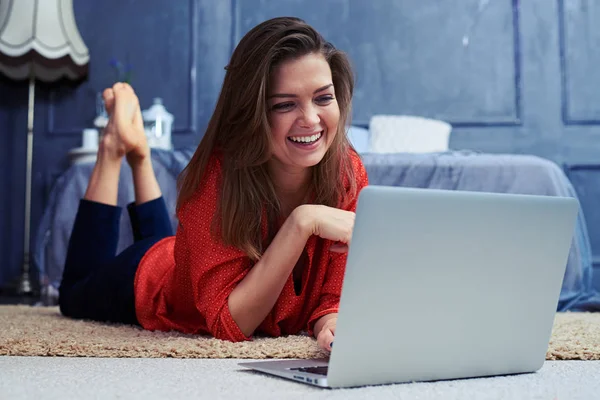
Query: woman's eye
x=325, y=99
x=283, y=106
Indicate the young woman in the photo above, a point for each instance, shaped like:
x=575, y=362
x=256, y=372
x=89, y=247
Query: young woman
x=265, y=207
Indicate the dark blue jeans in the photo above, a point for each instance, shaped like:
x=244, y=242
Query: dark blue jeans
x=97, y=284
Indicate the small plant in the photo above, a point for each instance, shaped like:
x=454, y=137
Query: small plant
x=124, y=72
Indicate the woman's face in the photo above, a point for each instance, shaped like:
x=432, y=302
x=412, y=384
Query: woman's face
x=303, y=112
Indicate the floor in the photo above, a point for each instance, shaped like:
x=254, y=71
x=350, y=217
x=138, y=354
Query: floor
x=65, y=378
x=71, y=378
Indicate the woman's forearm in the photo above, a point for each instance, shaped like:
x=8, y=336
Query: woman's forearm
x=254, y=297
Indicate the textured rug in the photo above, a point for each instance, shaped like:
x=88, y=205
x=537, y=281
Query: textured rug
x=42, y=331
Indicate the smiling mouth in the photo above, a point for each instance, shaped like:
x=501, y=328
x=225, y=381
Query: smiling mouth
x=305, y=140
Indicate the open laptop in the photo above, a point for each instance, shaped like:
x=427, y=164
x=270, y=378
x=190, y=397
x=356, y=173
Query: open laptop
x=444, y=285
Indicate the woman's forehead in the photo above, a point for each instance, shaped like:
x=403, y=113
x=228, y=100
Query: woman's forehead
x=307, y=73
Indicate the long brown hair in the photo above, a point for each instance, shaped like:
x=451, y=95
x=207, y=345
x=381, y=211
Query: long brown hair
x=239, y=129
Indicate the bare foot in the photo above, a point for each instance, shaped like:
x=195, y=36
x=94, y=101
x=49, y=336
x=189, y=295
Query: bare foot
x=124, y=134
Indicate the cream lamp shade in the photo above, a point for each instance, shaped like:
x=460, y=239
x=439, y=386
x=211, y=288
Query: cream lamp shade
x=40, y=38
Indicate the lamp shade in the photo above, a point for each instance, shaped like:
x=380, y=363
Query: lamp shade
x=40, y=39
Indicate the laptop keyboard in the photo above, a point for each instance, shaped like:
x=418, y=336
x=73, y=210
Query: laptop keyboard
x=322, y=370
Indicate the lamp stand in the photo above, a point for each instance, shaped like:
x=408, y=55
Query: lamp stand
x=25, y=281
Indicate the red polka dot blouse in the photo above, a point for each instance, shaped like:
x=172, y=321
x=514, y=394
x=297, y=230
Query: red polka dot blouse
x=184, y=281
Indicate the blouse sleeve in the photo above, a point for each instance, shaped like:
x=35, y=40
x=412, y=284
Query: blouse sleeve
x=214, y=269
x=332, y=288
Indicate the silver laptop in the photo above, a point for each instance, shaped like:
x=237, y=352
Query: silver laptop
x=444, y=285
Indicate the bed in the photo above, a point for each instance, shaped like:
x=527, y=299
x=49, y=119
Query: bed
x=454, y=170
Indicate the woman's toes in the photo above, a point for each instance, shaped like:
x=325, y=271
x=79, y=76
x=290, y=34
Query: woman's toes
x=108, y=94
x=127, y=86
x=119, y=86
x=109, y=100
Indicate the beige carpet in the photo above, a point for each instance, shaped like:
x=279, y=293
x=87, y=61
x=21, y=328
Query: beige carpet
x=40, y=331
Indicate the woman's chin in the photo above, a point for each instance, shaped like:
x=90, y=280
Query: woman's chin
x=310, y=160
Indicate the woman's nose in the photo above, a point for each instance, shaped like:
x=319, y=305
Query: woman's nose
x=309, y=117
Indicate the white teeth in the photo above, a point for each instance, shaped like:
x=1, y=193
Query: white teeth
x=306, y=139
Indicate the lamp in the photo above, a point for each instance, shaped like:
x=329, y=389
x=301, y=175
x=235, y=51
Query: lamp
x=38, y=40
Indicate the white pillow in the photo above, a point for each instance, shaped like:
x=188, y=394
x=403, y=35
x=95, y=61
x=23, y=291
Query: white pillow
x=408, y=134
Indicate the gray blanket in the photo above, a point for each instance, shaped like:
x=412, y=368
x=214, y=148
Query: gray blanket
x=451, y=170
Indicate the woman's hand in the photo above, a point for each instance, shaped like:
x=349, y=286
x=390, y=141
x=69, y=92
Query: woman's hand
x=327, y=332
x=328, y=223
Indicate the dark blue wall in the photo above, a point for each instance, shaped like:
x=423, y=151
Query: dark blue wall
x=511, y=76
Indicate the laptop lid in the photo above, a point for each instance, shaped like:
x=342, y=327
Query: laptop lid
x=449, y=284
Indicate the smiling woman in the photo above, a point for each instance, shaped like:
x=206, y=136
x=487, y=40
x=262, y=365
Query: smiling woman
x=265, y=208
